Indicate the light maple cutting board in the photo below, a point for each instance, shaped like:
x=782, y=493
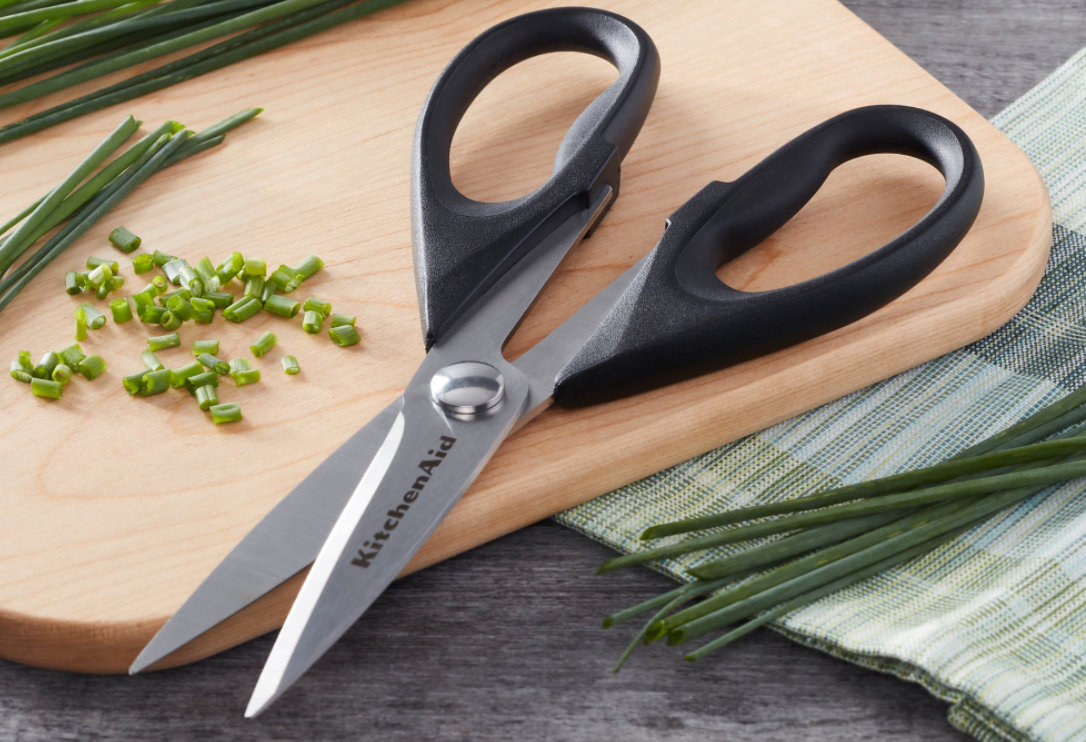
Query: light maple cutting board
x=113, y=509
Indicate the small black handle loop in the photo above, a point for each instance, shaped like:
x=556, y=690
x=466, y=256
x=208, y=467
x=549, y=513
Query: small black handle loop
x=462, y=246
x=677, y=319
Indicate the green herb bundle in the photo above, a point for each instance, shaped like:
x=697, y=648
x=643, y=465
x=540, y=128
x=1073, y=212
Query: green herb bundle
x=101, y=37
x=836, y=538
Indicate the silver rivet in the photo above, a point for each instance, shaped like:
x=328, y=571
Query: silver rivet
x=467, y=388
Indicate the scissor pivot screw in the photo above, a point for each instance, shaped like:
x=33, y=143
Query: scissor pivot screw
x=467, y=387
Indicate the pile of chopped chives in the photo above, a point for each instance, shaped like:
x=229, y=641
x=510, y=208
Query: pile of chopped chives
x=836, y=538
x=52, y=373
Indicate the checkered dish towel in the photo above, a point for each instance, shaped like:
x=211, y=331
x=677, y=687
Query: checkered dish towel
x=994, y=622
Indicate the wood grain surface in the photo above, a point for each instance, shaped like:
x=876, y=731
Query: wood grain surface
x=503, y=642
x=112, y=519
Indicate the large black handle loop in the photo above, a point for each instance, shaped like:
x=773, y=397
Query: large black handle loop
x=678, y=319
x=462, y=246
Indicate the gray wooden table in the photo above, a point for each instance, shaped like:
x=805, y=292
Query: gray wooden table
x=503, y=642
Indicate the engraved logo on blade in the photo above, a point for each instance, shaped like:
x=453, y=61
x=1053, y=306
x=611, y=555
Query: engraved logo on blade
x=371, y=548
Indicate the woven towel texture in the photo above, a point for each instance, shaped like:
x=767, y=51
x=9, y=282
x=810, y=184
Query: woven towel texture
x=993, y=622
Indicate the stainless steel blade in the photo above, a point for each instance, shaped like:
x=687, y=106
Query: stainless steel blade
x=388, y=518
x=283, y=543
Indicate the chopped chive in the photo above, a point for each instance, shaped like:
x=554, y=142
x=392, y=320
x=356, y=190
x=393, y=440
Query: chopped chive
x=45, y=366
x=169, y=320
x=99, y=275
x=178, y=376
x=205, y=346
x=142, y=264
x=312, y=320
x=19, y=373
x=222, y=368
x=124, y=240
x=92, y=367
x=62, y=374
x=133, y=382
x=282, y=280
x=204, y=269
x=180, y=307
x=160, y=283
x=310, y=264
x=338, y=320
x=202, y=310
x=142, y=300
x=71, y=283
x=268, y=292
x=182, y=292
x=238, y=364
x=80, y=323
x=95, y=319
x=294, y=278
x=154, y=382
x=151, y=290
x=152, y=315
x=205, y=378
x=160, y=258
x=93, y=262
x=81, y=281
x=102, y=291
x=172, y=270
x=72, y=355
x=244, y=378
x=191, y=280
x=207, y=397
x=242, y=309
x=24, y=358
x=164, y=341
x=254, y=287
x=254, y=267
x=344, y=335
x=219, y=299
x=225, y=413
x=150, y=360
x=265, y=343
x=290, y=366
x=46, y=388
x=121, y=309
x=230, y=267
x=318, y=305
x=282, y=306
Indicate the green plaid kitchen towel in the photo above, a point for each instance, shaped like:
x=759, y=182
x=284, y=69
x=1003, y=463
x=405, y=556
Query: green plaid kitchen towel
x=993, y=622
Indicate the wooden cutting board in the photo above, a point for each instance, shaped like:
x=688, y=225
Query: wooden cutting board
x=114, y=509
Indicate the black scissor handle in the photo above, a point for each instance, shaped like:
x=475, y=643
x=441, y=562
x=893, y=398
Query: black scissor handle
x=462, y=246
x=677, y=319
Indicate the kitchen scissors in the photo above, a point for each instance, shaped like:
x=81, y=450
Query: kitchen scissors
x=360, y=516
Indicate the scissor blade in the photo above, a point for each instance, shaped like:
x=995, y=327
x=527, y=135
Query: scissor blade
x=397, y=505
x=283, y=543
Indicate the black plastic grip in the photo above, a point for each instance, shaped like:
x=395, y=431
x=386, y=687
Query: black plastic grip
x=677, y=319
x=462, y=246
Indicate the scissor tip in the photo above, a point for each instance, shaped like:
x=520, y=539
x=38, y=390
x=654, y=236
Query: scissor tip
x=268, y=688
